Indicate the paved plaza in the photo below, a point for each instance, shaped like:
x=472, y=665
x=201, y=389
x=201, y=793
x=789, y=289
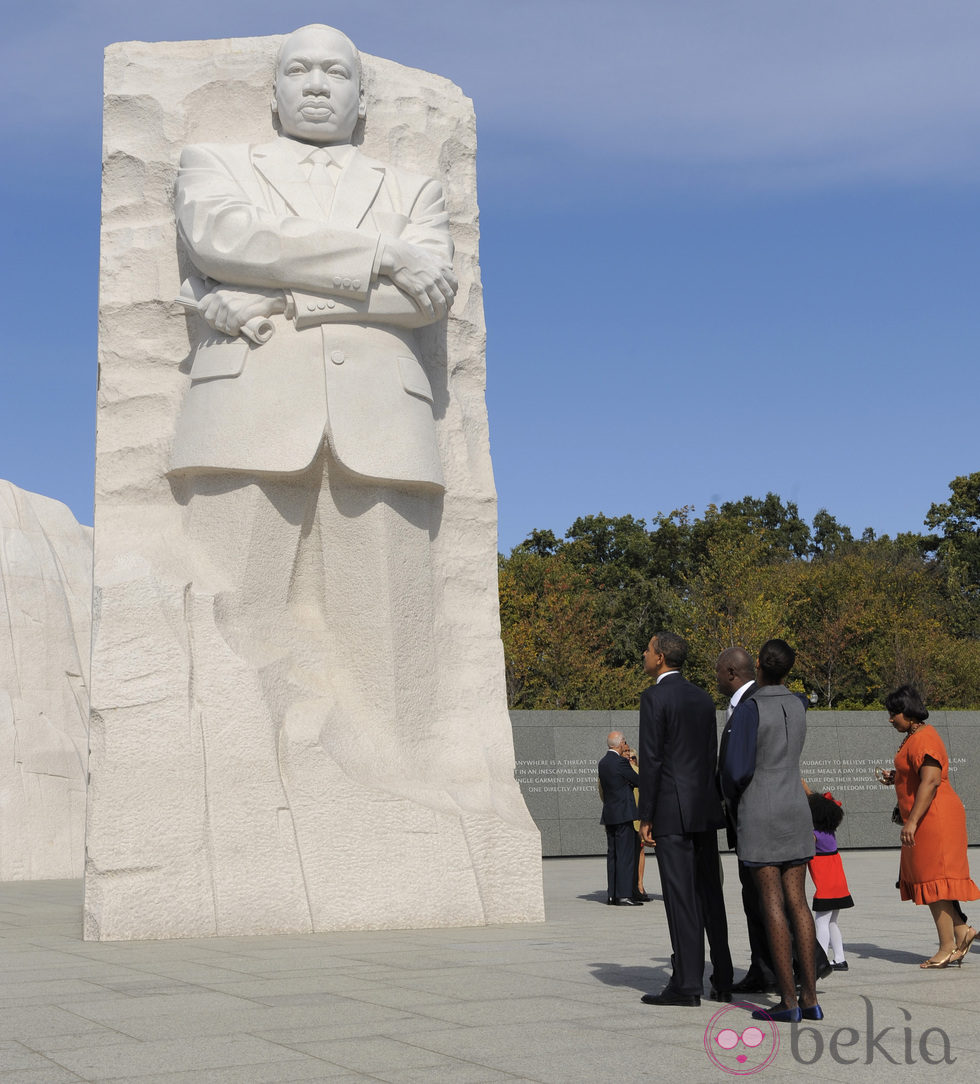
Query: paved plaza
x=557, y=1001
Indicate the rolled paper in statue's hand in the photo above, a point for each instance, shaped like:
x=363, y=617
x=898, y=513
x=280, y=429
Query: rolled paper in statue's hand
x=258, y=330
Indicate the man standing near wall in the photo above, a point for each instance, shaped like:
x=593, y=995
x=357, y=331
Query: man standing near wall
x=735, y=671
x=616, y=782
x=680, y=807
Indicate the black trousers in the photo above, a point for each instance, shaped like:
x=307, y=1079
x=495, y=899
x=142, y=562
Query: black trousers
x=620, y=861
x=690, y=876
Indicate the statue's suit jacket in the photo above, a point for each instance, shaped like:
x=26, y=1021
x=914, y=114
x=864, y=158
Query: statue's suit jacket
x=345, y=365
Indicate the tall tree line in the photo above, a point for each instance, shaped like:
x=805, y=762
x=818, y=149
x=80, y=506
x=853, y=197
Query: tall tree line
x=864, y=614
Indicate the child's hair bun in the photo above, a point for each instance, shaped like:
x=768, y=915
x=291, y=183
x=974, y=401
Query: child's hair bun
x=826, y=812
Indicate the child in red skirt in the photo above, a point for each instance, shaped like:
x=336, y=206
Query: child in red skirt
x=827, y=871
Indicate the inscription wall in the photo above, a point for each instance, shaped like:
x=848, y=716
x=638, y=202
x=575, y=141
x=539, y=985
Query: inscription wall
x=557, y=753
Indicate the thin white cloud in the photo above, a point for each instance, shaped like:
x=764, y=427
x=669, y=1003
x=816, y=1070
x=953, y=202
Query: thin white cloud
x=771, y=93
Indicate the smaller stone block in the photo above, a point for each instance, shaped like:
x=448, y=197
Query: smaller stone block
x=45, y=627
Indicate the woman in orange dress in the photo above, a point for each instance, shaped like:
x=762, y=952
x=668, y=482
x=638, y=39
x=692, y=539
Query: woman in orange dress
x=934, y=866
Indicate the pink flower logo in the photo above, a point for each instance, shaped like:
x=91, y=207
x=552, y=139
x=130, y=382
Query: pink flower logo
x=737, y=1046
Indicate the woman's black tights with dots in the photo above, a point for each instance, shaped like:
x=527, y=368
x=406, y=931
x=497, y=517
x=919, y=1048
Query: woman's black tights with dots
x=782, y=893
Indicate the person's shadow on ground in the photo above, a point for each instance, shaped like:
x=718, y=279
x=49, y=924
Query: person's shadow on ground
x=866, y=951
x=644, y=979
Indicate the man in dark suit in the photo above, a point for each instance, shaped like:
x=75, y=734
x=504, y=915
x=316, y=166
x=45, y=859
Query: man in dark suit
x=617, y=778
x=680, y=808
x=735, y=671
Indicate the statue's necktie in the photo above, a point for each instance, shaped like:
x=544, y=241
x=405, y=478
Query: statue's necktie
x=321, y=178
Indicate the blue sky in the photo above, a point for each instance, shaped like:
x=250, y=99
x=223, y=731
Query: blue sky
x=729, y=246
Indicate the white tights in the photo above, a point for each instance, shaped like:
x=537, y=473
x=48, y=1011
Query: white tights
x=828, y=933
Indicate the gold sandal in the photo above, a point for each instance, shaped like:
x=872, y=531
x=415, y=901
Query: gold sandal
x=944, y=962
x=964, y=946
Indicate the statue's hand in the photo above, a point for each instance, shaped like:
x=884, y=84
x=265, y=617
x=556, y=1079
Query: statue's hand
x=227, y=308
x=426, y=278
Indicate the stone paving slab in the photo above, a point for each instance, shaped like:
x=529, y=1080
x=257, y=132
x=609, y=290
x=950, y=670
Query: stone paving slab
x=552, y=1003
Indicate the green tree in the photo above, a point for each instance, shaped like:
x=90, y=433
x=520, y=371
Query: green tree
x=555, y=638
x=829, y=536
x=865, y=621
x=834, y=626
x=634, y=576
x=737, y=597
x=786, y=533
x=957, y=549
x=864, y=614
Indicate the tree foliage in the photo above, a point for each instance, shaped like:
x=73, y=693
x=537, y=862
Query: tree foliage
x=864, y=614
x=957, y=549
x=555, y=636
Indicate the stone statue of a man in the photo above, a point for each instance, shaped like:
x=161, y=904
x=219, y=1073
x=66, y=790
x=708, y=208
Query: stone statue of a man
x=306, y=455
x=345, y=254
x=298, y=693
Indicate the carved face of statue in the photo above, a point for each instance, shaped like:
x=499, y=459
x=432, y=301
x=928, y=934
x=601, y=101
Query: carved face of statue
x=318, y=92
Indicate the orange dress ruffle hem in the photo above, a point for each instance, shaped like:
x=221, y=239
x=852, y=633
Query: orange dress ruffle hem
x=937, y=867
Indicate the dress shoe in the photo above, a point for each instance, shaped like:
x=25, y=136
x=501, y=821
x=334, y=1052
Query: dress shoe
x=720, y=995
x=641, y=897
x=782, y=1015
x=753, y=983
x=671, y=997
x=625, y=901
x=813, y=1013
x=842, y=966
x=823, y=970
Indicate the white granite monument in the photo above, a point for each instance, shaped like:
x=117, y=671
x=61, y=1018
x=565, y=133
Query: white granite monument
x=45, y=626
x=299, y=716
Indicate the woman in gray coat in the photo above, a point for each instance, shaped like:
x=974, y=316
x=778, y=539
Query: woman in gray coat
x=761, y=781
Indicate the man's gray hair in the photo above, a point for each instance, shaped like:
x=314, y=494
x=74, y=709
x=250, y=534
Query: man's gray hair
x=614, y=739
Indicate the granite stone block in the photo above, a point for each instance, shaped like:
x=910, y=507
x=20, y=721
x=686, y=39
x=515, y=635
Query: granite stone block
x=45, y=629
x=841, y=753
x=583, y=835
x=295, y=556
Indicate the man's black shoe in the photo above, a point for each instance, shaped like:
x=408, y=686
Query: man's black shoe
x=824, y=969
x=753, y=983
x=720, y=995
x=625, y=902
x=671, y=997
